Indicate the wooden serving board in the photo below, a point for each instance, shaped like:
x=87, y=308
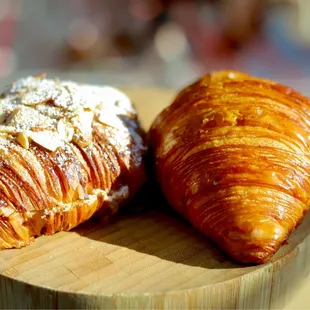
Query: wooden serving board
x=149, y=258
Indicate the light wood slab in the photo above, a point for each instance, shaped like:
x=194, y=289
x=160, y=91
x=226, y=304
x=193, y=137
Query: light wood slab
x=151, y=259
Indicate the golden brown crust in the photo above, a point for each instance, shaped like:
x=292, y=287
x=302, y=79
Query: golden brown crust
x=232, y=156
x=43, y=191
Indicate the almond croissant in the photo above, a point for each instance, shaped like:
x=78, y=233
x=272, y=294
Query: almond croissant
x=232, y=156
x=67, y=151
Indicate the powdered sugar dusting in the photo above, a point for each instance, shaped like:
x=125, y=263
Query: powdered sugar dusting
x=52, y=112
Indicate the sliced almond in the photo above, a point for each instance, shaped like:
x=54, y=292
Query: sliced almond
x=85, y=120
x=11, y=117
x=110, y=119
x=65, y=130
x=23, y=140
x=47, y=139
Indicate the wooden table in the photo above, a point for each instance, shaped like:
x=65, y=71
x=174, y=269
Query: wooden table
x=150, y=260
x=149, y=106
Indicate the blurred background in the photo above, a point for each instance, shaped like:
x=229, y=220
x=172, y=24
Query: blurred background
x=166, y=43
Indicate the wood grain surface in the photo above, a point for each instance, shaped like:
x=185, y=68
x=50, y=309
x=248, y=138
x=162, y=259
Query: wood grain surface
x=147, y=258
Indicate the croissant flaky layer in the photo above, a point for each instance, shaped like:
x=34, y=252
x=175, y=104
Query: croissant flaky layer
x=232, y=156
x=67, y=151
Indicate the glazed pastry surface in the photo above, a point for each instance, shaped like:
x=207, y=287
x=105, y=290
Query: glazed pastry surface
x=232, y=156
x=67, y=151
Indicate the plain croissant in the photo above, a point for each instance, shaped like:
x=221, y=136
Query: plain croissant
x=232, y=156
x=67, y=151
